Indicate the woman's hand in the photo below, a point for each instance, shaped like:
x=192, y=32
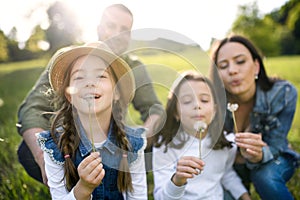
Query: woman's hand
x=251, y=145
x=91, y=173
x=187, y=167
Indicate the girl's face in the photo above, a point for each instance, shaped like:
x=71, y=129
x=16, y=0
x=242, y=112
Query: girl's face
x=195, y=103
x=90, y=85
x=237, y=69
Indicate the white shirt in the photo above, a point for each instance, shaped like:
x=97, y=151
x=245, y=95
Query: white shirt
x=58, y=190
x=218, y=172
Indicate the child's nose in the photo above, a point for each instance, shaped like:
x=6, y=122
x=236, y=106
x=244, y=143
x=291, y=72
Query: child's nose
x=90, y=83
x=197, y=107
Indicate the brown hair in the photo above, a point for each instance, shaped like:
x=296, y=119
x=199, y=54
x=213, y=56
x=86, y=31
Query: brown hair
x=263, y=80
x=70, y=139
x=172, y=125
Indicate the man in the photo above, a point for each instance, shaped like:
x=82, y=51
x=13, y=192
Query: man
x=114, y=28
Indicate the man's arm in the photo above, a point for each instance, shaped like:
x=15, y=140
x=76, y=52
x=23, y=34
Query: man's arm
x=31, y=113
x=30, y=139
x=31, y=119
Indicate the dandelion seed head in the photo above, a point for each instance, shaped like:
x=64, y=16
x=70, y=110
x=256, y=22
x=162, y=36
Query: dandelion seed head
x=200, y=126
x=232, y=107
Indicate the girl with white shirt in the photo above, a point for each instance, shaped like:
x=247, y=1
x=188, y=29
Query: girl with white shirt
x=179, y=172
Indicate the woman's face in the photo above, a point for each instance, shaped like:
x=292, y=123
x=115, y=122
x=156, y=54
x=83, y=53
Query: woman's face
x=91, y=86
x=237, y=69
x=195, y=103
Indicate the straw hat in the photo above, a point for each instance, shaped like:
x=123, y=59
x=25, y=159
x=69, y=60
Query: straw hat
x=65, y=57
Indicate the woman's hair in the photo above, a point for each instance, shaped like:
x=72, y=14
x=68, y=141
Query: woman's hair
x=70, y=138
x=172, y=124
x=263, y=80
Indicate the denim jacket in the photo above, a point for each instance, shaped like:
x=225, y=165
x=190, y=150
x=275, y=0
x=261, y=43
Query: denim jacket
x=110, y=153
x=272, y=116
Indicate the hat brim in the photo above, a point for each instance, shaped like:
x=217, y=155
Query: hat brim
x=64, y=59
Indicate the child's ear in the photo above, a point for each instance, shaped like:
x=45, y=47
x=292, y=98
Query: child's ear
x=117, y=95
x=68, y=97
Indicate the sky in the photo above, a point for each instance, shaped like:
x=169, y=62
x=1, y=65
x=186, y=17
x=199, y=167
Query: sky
x=195, y=20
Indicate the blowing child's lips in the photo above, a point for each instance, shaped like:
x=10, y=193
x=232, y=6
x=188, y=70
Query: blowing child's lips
x=91, y=96
x=198, y=117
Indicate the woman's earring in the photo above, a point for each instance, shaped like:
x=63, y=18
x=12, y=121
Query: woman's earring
x=256, y=77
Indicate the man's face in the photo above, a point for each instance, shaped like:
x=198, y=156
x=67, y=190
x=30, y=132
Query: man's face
x=114, y=29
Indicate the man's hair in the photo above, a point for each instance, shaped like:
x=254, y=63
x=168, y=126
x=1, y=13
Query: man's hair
x=120, y=7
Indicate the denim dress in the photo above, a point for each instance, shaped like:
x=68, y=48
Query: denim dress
x=272, y=116
x=110, y=153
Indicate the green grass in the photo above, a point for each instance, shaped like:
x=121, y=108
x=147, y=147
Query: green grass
x=16, y=79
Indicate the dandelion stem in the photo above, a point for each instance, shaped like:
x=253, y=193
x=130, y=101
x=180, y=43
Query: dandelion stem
x=234, y=122
x=91, y=131
x=200, y=148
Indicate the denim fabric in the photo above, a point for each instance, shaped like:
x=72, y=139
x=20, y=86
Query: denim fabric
x=111, y=155
x=272, y=116
x=269, y=180
x=27, y=160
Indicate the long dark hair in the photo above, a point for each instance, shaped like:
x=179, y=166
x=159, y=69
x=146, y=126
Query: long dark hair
x=172, y=124
x=263, y=80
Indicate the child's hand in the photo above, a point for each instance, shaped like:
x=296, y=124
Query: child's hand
x=91, y=173
x=187, y=167
x=251, y=145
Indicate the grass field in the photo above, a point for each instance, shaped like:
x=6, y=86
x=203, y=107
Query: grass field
x=17, y=78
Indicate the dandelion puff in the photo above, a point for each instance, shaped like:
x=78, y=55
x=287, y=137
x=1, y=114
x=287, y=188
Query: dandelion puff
x=200, y=126
x=232, y=107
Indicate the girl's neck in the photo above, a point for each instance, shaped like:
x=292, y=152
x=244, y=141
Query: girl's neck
x=95, y=126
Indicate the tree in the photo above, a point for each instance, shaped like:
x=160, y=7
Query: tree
x=63, y=29
x=263, y=31
x=293, y=23
x=33, y=43
x=3, y=48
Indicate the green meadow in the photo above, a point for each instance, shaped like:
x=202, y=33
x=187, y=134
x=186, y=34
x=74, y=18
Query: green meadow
x=17, y=78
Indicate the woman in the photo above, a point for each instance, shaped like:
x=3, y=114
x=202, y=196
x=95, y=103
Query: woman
x=266, y=108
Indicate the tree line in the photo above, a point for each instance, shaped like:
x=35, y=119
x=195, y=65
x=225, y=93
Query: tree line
x=276, y=33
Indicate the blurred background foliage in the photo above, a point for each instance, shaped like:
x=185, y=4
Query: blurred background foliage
x=275, y=33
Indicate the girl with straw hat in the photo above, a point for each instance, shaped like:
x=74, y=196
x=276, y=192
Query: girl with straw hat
x=89, y=152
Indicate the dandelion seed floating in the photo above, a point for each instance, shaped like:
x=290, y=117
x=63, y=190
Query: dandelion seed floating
x=1, y=102
x=232, y=107
x=200, y=127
